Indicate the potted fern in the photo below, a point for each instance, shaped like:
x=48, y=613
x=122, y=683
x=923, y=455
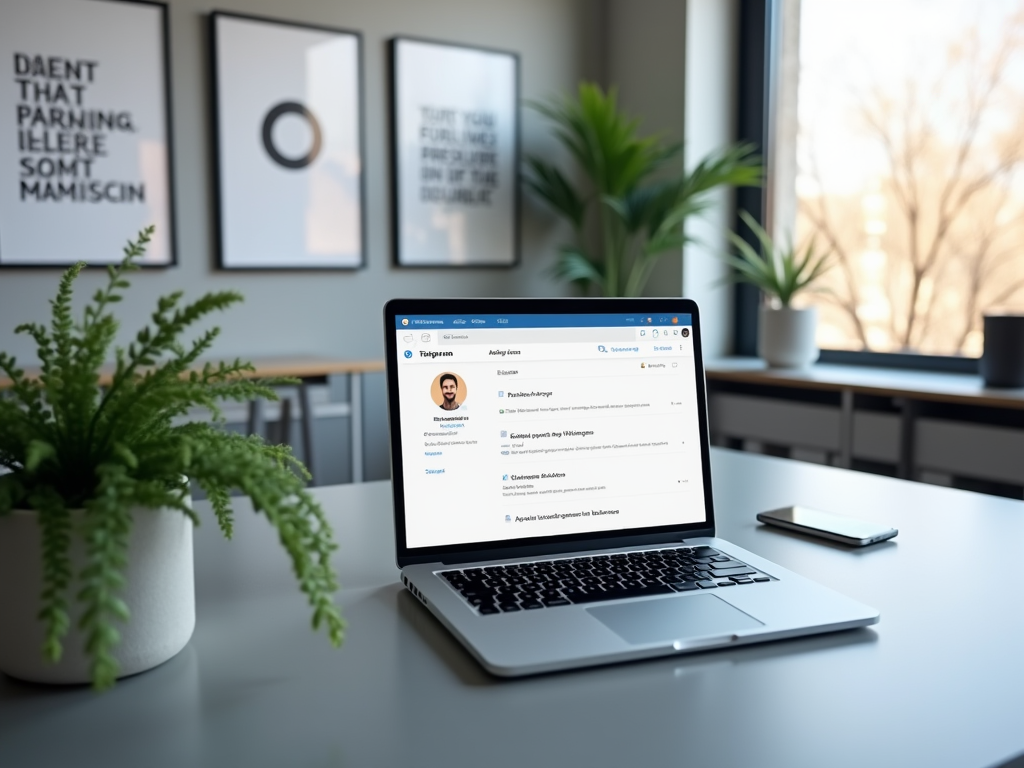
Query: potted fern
x=785, y=334
x=96, y=576
x=630, y=209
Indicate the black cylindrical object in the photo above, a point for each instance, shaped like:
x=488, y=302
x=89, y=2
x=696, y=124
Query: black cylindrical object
x=1002, y=362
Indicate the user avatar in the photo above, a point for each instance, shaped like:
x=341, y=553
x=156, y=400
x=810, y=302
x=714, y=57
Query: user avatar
x=448, y=391
x=686, y=332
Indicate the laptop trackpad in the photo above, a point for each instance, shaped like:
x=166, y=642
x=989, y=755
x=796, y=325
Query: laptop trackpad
x=650, y=621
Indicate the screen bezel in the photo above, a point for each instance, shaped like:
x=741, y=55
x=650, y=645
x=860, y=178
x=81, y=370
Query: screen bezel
x=545, y=544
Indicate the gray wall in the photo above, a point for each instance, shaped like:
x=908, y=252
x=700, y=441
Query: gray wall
x=645, y=59
x=336, y=313
x=712, y=32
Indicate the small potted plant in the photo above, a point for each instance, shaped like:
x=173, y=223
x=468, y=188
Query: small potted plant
x=785, y=334
x=96, y=577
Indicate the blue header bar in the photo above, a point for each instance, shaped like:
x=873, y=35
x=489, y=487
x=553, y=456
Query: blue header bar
x=540, y=321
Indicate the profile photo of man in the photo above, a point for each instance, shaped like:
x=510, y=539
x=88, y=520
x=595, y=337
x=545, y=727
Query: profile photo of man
x=449, y=389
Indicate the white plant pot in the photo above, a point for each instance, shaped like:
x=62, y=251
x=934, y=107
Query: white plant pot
x=159, y=591
x=785, y=336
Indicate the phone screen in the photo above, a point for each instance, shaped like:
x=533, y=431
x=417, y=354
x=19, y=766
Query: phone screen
x=826, y=521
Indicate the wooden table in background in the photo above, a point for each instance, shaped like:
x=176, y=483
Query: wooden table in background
x=309, y=370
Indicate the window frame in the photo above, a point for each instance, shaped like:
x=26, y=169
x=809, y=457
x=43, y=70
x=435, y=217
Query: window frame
x=759, y=55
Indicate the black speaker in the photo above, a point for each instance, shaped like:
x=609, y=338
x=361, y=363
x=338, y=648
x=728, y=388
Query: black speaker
x=1002, y=362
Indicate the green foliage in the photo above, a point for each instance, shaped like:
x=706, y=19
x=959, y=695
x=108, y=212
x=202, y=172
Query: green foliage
x=780, y=271
x=69, y=444
x=631, y=210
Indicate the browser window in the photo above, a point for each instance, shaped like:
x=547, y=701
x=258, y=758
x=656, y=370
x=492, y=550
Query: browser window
x=539, y=425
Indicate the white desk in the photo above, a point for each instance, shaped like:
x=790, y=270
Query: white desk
x=938, y=683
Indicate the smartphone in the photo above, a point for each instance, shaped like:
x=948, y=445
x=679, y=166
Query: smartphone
x=814, y=522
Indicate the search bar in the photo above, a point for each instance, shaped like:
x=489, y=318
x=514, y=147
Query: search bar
x=536, y=335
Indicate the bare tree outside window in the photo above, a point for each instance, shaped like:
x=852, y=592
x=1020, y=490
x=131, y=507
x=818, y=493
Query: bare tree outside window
x=910, y=165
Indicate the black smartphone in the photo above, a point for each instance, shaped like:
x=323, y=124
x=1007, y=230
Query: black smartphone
x=814, y=522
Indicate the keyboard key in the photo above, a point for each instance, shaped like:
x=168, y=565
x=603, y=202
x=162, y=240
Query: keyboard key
x=618, y=593
x=742, y=579
x=761, y=578
x=486, y=609
x=684, y=586
x=705, y=552
x=555, y=602
x=742, y=570
x=727, y=583
x=509, y=607
x=529, y=605
x=706, y=584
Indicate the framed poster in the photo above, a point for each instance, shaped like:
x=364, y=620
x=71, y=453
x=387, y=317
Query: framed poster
x=288, y=125
x=455, y=155
x=85, y=137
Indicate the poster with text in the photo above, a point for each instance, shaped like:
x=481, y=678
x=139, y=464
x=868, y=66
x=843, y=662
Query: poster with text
x=454, y=155
x=85, y=152
x=289, y=145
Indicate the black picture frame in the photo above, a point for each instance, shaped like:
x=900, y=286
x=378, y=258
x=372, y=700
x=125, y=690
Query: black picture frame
x=480, y=232
x=282, y=163
x=99, y=119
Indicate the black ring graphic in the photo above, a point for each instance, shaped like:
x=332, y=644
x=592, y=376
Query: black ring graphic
x=284, y=108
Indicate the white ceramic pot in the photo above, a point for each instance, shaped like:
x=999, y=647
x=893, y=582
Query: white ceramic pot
x=159, y=591
x=785, y=336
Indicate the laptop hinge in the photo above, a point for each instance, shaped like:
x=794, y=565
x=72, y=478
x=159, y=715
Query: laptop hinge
x=701, y=534
x=543, y=550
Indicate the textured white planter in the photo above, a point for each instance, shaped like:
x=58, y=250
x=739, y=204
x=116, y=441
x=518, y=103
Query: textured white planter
x=785, y=336
x=159, y=592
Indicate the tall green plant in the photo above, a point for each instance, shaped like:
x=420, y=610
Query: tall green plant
x=632, y=207
x=68, y=444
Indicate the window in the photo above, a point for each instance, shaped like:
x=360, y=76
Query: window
x=897, y=141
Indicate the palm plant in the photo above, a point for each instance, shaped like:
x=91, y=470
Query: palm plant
x=780, y=271
x=631, y=209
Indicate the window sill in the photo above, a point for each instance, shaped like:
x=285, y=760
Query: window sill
x=960, y=388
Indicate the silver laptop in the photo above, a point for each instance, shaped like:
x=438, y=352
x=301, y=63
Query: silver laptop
x=552, y=482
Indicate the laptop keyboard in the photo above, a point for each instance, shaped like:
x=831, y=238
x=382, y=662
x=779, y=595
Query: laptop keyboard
x=551, y=583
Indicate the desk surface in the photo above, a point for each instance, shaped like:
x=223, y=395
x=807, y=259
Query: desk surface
x=962, y=388
x=296, y=366
x=939, y=682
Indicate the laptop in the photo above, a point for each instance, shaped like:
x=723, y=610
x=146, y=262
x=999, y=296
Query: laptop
x=552, y=487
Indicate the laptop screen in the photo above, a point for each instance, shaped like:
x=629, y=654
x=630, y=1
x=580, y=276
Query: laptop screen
x=517, y=426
